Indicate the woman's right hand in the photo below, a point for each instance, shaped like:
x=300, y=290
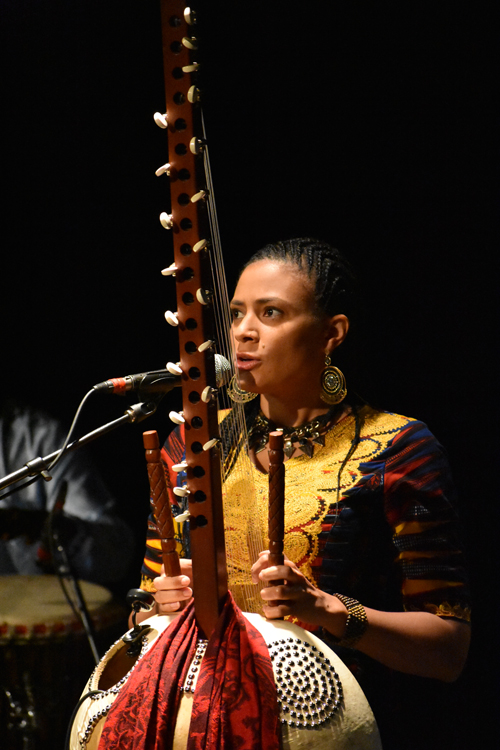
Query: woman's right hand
x=172, y=591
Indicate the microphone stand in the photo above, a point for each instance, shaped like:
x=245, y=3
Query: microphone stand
x=65, y=573
x=135, y=413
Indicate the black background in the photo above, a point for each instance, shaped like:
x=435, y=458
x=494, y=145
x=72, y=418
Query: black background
x=366, y=124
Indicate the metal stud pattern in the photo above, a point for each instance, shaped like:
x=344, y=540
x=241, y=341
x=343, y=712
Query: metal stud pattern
x=309, y=689
x=192, y=676
x=110, y=694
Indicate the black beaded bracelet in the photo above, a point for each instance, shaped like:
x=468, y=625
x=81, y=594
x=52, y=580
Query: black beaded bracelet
x=356, y=623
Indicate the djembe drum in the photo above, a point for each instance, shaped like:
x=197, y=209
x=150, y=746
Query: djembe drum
x=45, y=657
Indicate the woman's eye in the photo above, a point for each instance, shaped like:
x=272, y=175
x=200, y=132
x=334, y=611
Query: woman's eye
x=271, y=312
x=236, y=314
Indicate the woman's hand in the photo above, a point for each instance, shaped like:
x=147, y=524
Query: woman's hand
x=296, y=596
x=171, y=592
x=418, y=643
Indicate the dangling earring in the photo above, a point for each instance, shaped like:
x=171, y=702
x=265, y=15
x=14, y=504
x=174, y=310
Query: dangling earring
x=333, y=387
x=237, y=395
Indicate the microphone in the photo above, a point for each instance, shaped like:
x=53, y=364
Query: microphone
x=160, y=381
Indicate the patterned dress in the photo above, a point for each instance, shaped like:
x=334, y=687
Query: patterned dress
x=383, y=532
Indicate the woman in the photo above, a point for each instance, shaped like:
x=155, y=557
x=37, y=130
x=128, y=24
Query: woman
x=374, y=561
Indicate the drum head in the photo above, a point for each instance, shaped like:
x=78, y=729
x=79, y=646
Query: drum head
x=45, y=657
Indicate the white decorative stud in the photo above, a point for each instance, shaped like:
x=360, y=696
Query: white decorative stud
x=177, y=417
x=174, y=369
x=166, y=220
x=194, y=95
x=210, y=444
x=164, y=169
x=193, y=68
x=170, y=271
x=171, y=318
x=203, y=296
x=208, y=394
x=180, y=467
x=200, y=245
x=190, y=42
x=195, y=146
x=206, y=345
x=161, y=120
x=190, y=16
x=181, y=491
x=201, y=195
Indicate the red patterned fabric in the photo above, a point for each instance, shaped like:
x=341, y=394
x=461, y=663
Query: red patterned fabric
x=143, y=715
x=235, y=704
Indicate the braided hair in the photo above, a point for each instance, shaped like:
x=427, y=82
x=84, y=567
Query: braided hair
x=334, y=285
x=333, y=279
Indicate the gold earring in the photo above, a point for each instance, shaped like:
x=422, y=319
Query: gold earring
x=237, y=395
x=333, y=387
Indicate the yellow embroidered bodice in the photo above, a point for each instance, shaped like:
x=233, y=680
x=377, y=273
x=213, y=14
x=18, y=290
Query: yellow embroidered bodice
x=310, y=489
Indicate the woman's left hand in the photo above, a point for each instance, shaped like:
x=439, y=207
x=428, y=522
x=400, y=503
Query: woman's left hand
x=296, y=596
x=418, y=643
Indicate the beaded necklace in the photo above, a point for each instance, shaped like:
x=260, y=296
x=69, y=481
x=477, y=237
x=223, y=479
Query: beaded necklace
x=306, y=435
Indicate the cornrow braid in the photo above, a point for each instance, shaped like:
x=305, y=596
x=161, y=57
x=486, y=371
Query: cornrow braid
x=333, y=278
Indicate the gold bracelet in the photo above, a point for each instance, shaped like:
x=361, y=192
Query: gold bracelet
x=356, y=623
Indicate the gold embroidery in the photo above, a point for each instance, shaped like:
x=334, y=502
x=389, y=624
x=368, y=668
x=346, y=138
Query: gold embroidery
x=413, y=586
x=147, y=584
x=415, y=527
x=242, y=527
x=311, y=489
x=447, y=610
x=418, y=554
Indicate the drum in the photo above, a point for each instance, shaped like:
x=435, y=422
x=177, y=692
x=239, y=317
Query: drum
x=45, y=657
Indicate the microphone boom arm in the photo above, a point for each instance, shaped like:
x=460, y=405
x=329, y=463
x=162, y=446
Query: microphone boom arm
x=133, y=414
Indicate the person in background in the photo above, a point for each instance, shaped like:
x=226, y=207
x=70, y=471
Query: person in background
x=98, y=543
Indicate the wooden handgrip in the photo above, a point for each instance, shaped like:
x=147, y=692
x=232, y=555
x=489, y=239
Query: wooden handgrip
x=276, y=521
x=161, y=503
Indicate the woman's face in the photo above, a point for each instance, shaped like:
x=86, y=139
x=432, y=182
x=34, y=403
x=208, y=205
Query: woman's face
x=280, y=339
